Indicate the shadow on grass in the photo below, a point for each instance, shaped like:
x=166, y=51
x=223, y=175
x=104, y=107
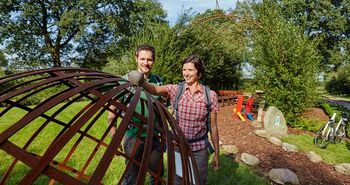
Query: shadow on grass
x=231, y=172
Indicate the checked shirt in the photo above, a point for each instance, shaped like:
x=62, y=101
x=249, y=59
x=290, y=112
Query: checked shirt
x=192, y=112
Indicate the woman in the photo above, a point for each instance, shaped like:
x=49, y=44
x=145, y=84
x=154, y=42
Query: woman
x=192, y=112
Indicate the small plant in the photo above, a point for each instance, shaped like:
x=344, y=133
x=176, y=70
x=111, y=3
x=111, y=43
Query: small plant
x=307, y=124
x=347, y=145
x=329, y=109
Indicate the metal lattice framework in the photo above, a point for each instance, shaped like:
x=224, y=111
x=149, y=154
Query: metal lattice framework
x=61, y=138
x=220, y=26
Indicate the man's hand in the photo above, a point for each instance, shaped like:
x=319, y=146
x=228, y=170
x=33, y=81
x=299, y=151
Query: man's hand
x=136, y=77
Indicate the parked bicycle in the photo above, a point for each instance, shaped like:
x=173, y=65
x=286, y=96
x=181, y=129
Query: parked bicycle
x=332, y=132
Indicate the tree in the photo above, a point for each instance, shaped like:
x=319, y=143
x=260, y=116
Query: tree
x=3, y=64
x=170, y=50
x=63, y=33
x=170, y=44
x=223, y=48
x=215, y=38
x=339, y=81
x=285, y=61
x=219, y=38
x=328, y=23
x=3, y=61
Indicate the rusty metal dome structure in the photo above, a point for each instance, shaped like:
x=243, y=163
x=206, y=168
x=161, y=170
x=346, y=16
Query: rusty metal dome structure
x=42, y=145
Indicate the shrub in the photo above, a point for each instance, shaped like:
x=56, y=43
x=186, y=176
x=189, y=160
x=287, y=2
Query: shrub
x=307, y=124
x=328, y=109
x=339, y=83
x=335, y=109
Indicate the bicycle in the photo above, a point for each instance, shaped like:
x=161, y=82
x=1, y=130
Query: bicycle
x=332, y=132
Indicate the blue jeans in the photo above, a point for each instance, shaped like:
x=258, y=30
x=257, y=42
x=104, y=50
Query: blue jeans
x=155, y=158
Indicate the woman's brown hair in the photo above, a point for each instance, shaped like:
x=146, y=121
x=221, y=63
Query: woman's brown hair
x=198, y=64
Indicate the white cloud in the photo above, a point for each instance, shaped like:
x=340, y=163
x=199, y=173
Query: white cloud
x=175, y=7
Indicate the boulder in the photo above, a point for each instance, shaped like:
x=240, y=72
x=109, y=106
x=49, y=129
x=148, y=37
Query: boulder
x=275, y=141
x=313, y=157
x=289, y=147
x=249, y=159
x=283, y=176
x=274, y=122
x=230, y=148
x=343, y=168
x=262, y=133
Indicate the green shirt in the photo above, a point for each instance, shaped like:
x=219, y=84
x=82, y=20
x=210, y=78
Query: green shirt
x=133, y=130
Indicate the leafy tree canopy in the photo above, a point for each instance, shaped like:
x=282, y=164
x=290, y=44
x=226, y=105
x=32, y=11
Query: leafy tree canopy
x=70, y=33
x=327, y=22
x=338, y=82
x=219, y=37
x=3, y=60
x=219, y=42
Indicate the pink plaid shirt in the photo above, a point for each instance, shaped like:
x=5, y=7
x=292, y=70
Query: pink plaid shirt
x=192, y=111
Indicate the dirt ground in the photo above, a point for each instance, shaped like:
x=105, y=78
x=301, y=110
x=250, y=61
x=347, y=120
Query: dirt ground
x=271, y=156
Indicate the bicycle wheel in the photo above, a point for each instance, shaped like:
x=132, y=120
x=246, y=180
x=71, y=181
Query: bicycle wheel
x=340, y=133
x=323, y=136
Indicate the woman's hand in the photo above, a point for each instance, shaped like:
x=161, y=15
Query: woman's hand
x=215, y=164
x=136, y=77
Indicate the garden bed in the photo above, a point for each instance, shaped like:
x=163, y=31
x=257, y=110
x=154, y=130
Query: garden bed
x=272, y=156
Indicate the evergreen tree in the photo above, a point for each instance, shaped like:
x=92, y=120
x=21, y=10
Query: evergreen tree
x=285, y=61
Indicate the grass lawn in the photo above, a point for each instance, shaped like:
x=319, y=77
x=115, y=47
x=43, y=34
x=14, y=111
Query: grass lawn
x=333, y=154
x=229, y=173
x=47, y=136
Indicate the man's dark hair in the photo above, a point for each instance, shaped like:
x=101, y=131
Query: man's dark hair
x=145, y=47
x=198, y=64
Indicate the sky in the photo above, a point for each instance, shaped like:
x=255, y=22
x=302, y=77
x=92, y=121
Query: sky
x=175, y=7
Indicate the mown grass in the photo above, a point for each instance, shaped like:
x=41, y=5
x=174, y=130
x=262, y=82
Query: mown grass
x=47, y=136
x=333, y=154
x=229, y=173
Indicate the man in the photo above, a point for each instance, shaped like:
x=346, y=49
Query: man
x=145, y=57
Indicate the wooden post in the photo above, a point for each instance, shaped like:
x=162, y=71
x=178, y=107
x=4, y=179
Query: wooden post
x=261, y=101
x=260, y=112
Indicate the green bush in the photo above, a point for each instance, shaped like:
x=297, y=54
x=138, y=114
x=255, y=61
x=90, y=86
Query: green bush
x=314, y=125
x=307, y=124
x=339, y=82
x=335, y=109
x=327, y=108
x=330, y=110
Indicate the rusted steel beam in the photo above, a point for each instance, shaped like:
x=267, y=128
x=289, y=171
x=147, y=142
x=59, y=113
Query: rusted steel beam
x=62, y=87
